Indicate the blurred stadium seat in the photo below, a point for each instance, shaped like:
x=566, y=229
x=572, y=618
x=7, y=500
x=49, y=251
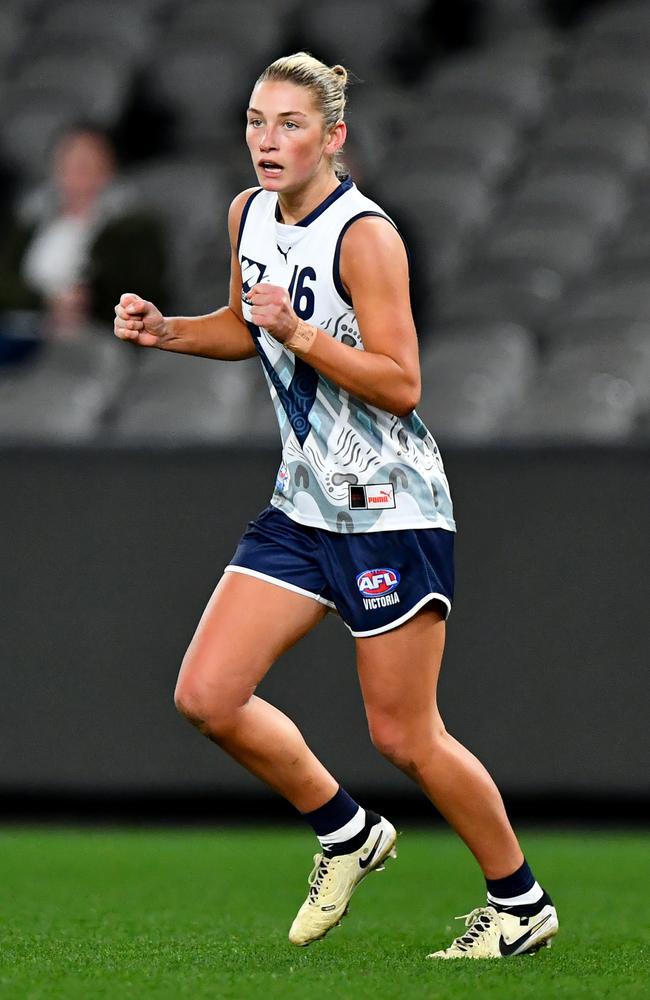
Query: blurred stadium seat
x=599, y=194
x=484, y=143
x=12, y=32
x=253, y=29
x=573, y=406
x=623, y=144
x=371, y=33
x=619, y=28
x=472, y=374
x=201, y=83
x=177, y=398
x=120, y=28
x=66, y=393
x=620, y=77
x=192, y=198
x=53, y=90
x=28, y=127
x=521, y=89
x=511, y=291
x=625, y=298
x=567, y=249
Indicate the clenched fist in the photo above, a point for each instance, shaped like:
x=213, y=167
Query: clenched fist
x=139, y=321
x=271, y=308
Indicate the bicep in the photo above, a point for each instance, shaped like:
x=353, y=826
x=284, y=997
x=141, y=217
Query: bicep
x=374, y=270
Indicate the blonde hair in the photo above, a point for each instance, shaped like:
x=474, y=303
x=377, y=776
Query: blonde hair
x=327, y=85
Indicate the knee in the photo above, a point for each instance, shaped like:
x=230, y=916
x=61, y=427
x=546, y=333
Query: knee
x=189, y=701
x=203, y=706
x=406, y=746
x=393, y=743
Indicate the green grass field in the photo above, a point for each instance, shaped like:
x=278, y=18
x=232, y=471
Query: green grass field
x=175, y=914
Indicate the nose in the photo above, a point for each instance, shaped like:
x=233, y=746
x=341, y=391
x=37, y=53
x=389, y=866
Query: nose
x=268, y=140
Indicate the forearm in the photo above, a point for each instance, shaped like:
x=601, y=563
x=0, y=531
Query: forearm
x=374, y=378
x=220, y=335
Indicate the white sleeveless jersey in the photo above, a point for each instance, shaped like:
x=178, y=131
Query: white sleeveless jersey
x=347, y=466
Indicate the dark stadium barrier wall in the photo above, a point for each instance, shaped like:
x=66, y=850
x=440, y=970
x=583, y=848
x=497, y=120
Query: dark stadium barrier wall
x=109, y=555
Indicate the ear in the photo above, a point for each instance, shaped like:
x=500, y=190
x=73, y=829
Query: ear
x=336, y=139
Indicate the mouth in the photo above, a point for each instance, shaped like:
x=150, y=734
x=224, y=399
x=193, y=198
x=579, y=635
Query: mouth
x=270, y=168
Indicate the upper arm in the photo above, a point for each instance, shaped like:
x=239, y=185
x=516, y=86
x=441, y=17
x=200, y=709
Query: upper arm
x=235, y=213
x=374, y=270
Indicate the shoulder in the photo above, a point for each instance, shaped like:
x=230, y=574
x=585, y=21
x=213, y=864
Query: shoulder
x=371, y=238
x=236, y=211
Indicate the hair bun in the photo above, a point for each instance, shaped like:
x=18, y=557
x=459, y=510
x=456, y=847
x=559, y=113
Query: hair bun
x=341, y=72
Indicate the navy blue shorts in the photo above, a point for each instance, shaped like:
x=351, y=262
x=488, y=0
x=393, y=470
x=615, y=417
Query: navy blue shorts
x=376, y=581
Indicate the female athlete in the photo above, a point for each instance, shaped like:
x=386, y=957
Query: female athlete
x=360, y=520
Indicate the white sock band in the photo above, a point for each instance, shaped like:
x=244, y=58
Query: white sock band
x=534, y=893
x=350, y=829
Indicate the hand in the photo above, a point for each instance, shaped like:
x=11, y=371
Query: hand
x=271, y=308
x=139, y=321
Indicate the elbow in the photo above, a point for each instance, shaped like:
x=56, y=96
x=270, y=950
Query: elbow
x=407, y=400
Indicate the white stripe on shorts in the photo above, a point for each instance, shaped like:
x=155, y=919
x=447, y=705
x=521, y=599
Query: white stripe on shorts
x=404, y=618
x=279, y=583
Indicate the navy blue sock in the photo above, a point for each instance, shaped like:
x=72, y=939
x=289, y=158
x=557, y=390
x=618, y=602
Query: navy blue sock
x=342, y=825
x=516, y=884
x=334, y=814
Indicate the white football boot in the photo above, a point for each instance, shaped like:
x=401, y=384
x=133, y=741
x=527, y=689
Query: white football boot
x=334, y=879
x=493, y=933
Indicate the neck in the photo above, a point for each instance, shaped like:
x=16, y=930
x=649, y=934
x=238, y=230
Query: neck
x=296, y=205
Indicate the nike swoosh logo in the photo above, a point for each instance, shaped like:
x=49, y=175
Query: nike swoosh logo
x=363, y=863
x=509, y=949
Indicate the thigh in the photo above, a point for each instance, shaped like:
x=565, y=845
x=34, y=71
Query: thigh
x=399, y=669
x=247, y=624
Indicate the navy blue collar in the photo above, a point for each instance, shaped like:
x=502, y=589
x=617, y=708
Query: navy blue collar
x=344, y=186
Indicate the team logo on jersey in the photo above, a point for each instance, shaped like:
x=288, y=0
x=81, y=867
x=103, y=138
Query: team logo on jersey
x=380, y=496
x=377, y=587
x=252, y=272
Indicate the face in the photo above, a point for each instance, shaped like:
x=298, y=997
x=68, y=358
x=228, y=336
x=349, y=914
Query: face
x=286, y=138
x=83, y=166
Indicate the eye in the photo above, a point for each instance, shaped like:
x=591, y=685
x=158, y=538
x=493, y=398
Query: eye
x=255, y=122
x=291, y=125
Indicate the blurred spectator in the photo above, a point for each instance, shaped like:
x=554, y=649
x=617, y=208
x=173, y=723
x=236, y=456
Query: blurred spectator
x=76, y=244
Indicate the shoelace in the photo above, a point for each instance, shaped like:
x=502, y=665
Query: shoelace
x=478, y=921
x=317, y=876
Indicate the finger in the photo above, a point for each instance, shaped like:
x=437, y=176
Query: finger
x=130, y=326
x=262, y=315
x=129, y=298
x=128, y=323
x=123, y=333
x=132, y=303
x=265, y=292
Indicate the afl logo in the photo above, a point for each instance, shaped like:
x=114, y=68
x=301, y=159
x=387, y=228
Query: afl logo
x=378, y=582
